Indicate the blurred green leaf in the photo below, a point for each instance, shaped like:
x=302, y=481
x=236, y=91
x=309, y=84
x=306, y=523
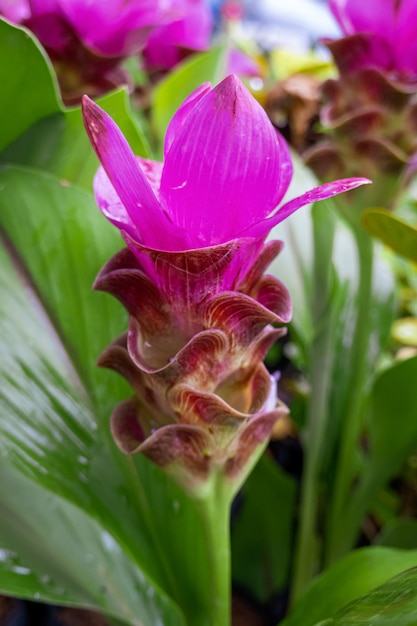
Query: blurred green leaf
x=395, y=602
x=29, y=91
x=261, y=534
x=171, y=91
x=57, y=554
x=392, y=231
x=353, y=576
x=393, y=418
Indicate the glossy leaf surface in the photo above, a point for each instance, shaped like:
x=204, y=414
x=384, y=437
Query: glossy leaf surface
x=353, y=576
x=393, y=231
x=32, y=77
x=392, y=603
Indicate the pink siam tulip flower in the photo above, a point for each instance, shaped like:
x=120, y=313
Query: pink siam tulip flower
x=383, y=34
x=202, y=313
x=188, y=30
x=369, y=110
x=87, y=39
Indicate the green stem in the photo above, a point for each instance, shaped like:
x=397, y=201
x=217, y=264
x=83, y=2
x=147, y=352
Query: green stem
x=357, y=391
x=214, y=510
x=320, y=366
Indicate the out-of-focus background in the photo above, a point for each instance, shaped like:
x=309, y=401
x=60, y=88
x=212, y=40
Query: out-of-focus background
x=294, y=24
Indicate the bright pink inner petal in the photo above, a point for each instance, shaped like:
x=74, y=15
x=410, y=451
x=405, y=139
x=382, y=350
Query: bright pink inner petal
x=224, y=168
x=182, y=113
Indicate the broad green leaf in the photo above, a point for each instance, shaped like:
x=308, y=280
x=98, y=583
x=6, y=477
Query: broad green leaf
x=392, y=231
x=172, y=90
x=353, y=576
x=392, y=603
x=261, y=546
x=59, y=233
x=29, y=91
x=51, y=551
x=59, y=143
x=55, y=403
x=393, y=418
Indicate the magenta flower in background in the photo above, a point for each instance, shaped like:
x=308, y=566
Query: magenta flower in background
x=387, y=31
x=15, y=10
x=87, y=39
x=202, y=312
x=114, y=28
x=189, y=29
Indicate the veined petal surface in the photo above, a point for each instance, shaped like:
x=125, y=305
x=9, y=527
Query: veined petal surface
x=224, y=170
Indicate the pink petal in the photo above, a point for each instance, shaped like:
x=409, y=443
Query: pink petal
x=370, y=16
x=181, y=115
x=114, y=27
x=127, y=178
x=15, y=10
x=314, y=195
x=242, y=64
x=225, y=168
x=405, y=44
x=192, y=31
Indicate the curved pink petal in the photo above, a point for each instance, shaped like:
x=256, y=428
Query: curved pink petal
x=128, y=179
x=314, y=195
x=370, y=16
x=224, y=168
x=182, y=114
x=109, y=202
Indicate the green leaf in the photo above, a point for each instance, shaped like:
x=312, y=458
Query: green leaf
x=59, y=143
x=392, y=418
x=392, y=603
x=354, y=575
x=172, y=90
x=392, y=231
x=29, y=90
x=261, y=534
x=57, y=554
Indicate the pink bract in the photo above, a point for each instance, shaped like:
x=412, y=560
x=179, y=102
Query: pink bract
x=114, y=28
x=389, y=29
x=189, y=29
x=225, y=172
